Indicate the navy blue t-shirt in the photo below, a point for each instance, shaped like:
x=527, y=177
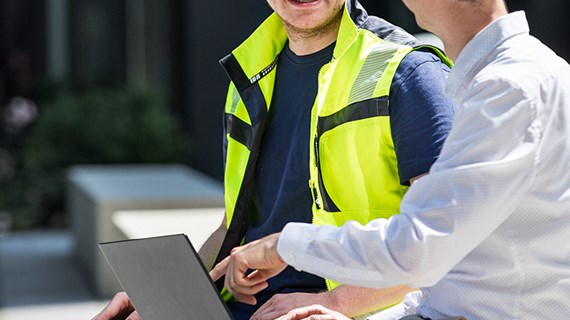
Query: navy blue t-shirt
x=420, y=117
x=281, y=186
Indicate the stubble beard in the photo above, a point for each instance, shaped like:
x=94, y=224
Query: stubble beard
x=296, y=33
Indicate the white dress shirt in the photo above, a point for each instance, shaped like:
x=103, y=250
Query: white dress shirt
x=486, y=234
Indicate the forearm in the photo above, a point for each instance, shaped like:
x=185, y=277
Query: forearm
x=209, y=250
x=418, y=246
x=353, y=301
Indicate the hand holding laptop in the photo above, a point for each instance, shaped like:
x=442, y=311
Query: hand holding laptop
x=261, y=256
x=119, y=308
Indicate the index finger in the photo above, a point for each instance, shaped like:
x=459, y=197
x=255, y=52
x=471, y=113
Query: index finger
x=220, y=269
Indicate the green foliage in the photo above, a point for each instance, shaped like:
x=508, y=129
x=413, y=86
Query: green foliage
x=95, y=127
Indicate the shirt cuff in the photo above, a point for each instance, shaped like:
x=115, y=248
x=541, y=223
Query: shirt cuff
x=294, y=241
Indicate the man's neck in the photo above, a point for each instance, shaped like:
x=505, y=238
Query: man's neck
x=465, y=25
x=307, y=46
x=304, y=42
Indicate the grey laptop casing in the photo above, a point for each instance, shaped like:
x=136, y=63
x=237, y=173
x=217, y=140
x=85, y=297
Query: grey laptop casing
x=165, y=278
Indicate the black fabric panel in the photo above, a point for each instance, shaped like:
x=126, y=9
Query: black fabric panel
x=356, y=12
x=254, y=102
x=234, y=71
x=239, y=130
x=384, y=29
x=359, y=110
x=328, y=203
x=376, y=25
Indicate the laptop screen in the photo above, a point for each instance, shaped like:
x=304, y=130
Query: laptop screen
x=165, y=278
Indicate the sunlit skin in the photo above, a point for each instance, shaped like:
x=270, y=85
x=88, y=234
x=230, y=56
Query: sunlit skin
x=455, y=22
x=119, y=308
x=311, y=25
x=266, y=263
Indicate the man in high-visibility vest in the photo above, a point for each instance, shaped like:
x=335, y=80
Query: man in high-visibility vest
x=485, y=234
x=330, y=115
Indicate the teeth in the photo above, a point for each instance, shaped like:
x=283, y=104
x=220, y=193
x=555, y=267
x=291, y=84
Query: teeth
x=305, y=1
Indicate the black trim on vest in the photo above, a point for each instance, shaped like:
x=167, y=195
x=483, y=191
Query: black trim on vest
x=265, y=71
x=356, y=111
x=254, y=102
x=380, y=27
x=328, y=203
x=356, y=12
x=239, y=130
x=375, y=107
x=234, y=71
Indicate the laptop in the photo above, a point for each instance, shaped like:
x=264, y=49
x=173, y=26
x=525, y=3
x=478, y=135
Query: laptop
x=165, y=278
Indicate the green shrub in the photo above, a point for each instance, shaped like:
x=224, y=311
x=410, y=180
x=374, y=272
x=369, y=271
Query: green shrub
x=94, y=127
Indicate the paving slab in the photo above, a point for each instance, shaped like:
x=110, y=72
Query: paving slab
x=38, y=279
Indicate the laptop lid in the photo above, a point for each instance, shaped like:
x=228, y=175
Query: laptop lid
x=165, y=278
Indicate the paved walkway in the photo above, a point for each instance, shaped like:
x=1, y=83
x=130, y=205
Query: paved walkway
x=38, y=279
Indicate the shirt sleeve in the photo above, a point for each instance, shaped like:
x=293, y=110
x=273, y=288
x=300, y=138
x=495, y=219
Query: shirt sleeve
x=485, y=169
x=421, y=114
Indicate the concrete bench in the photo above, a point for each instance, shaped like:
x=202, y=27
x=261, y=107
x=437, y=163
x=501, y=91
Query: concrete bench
x=197, y=224
x=96, y=192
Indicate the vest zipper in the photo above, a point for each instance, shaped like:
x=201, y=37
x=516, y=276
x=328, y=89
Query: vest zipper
x=313, y=188
x=312, y=183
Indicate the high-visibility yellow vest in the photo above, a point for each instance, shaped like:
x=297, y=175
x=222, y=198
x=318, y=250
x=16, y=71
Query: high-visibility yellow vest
x=353, y=168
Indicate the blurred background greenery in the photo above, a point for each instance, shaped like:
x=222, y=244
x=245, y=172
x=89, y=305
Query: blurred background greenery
x=100, y=125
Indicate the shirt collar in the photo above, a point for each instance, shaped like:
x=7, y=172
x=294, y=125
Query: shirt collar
x=477, y=51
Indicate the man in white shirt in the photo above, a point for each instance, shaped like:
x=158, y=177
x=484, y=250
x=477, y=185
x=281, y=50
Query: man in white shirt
x=486, y=233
